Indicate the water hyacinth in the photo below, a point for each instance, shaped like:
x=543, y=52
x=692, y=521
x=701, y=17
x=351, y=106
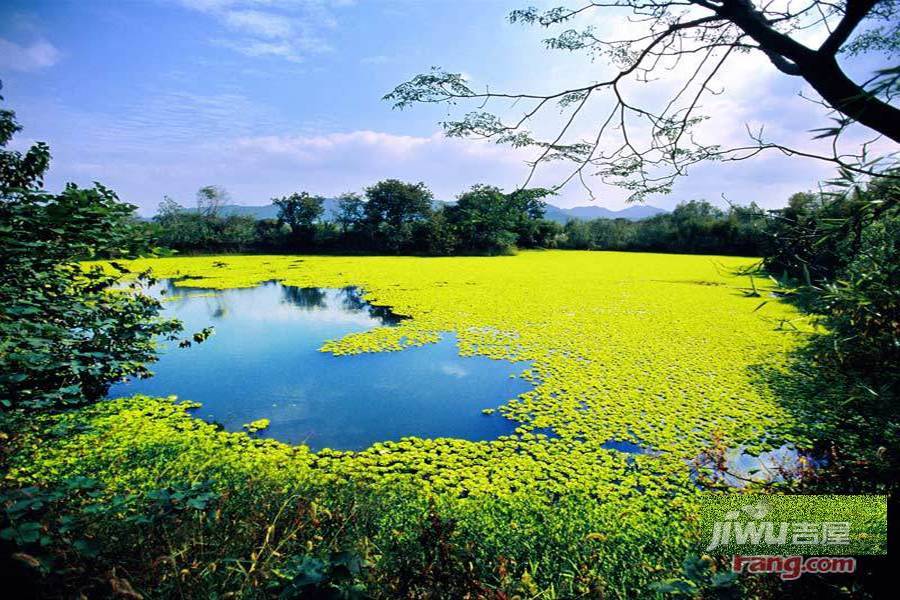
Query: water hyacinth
x=654, y=347
x=653, y=351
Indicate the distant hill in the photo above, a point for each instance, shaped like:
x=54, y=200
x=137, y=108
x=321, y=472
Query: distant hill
x=270, y=211
x=585, y=213
x=553, y=213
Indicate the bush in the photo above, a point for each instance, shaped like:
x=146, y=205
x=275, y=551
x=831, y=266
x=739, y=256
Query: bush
x=64, y=336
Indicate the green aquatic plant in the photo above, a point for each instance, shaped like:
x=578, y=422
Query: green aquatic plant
x=659, y=345
x=652, y=349
x=257, y=425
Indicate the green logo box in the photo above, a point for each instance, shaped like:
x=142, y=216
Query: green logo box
x=806, y=525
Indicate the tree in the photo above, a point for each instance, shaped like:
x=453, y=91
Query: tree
x=270, y=234
x=613, y=234
x=64, y=337
x=440, y=238
x=485, y=219
x=656, y=141
x=300, y=212
x=237, y=232
x=203, y=229
x=351, y=212
x=532, y=230
x=180, y=229
x=578, y=235
x=392, y=210
x=210, y=200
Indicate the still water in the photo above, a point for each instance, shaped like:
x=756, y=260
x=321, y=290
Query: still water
x=263, y=362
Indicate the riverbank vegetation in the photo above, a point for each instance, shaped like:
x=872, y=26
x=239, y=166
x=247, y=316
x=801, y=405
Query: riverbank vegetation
x=394, y=217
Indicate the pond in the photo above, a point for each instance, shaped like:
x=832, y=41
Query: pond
x=263, y=362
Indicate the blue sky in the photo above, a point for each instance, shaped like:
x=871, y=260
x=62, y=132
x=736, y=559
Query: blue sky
x=267, y=97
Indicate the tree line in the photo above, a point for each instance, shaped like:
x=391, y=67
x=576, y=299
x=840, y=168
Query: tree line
x=395, y=217
x=391, y=217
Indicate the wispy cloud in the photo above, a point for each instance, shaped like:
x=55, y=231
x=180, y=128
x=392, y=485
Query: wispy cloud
x=287, y=29
x=255, y=48
x=305, y=149
x=35, y=56
x=259, y=23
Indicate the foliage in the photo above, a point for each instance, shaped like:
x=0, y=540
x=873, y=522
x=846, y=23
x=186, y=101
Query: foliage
x=257, y=425
x=861, y=306
x=395, y=218
x=271, y=513
x=63, y=336
x=525, y=514
x=300, y=212
x=485, y=220
x=693, y=227
x=393, y=211
x=351, y=212
x=336, y=576
x=523, y=308
x=210, y=199
x=699, y=574
x=838, y=255
x=176, y=227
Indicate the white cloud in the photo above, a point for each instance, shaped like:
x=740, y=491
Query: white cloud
x=175, y=142
x=287, y=29
x=318, y=148
x=259, y=23
x=257, y=48
x=450, y=165
x=38, y=55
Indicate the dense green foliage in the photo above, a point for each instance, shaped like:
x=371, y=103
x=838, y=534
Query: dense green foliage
x=394, y=217
x=693, y=227
x=300, y=213
x=63, y=336
x=396, y=213
x=837, y=254
x=181, y=509
x=401, y=218
x=178, y=228
x=485, y=219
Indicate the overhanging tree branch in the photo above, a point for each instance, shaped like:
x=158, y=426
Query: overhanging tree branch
x=658, y=140
x=856, y=11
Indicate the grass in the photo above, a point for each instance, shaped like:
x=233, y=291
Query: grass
x=654, y=349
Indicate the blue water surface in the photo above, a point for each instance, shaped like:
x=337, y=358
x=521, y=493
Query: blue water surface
x=263, y=362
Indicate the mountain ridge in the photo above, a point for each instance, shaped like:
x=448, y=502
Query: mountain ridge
x=552, y=212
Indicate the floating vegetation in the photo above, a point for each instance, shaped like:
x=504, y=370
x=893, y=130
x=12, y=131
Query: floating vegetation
x=618, y=354
x=257, y=425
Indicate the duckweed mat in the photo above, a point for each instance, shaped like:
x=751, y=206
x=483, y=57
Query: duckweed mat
x=649, y=350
